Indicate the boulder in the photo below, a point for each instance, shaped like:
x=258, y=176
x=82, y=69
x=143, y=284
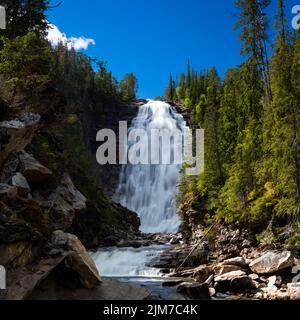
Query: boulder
x=195, y=291
x=272, y=262
x=240, y=284
x=238, y=261
x=77, y=258
x=22, y=282
x=200, y=273
x=230, y=276
x=234, y=281
x=20, y=182
x=67, y=253
x=33, y=170
x=16, y=134
x=222, y=269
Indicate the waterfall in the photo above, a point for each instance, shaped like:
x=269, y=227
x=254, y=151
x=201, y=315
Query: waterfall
x=150, y=190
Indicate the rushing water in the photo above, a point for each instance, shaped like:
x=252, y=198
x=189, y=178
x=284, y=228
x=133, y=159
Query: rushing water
x=130, y=265
x=150, y=190
x=127, y=262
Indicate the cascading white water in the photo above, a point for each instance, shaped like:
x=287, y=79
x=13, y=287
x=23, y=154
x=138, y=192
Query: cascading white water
x=127, y=262
x=150, y=190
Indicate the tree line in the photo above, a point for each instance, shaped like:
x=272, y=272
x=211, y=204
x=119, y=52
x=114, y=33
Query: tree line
x=252, y=126
x=28, y=61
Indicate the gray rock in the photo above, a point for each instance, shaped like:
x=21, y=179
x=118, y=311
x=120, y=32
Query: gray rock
x=238, y=261
x=222, y=269
x=272, y=262
x=20, y=182
x=230, y=276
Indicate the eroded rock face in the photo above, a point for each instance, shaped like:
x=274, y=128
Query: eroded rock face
x=272, y=262
x=16, y=254
x=66, y=253
x=77, y=258
x=64, y=201
x=13, y=227
x=16, y=134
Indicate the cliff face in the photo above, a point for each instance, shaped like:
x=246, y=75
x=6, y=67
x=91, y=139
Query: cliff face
x=49, y=182
x=109, y=118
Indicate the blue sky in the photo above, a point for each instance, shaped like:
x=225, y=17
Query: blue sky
x=152, y=38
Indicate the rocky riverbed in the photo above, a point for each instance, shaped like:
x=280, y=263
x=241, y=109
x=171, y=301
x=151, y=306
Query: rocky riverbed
x=231, y=266
x=225, y=265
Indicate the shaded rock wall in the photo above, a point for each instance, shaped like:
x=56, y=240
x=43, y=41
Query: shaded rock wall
x=48, y=183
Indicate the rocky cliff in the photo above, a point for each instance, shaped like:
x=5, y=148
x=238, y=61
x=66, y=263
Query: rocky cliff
x=44, y=197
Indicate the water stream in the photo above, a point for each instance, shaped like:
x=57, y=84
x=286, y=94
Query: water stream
x=150, y=191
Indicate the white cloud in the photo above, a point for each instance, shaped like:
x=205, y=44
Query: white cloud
x=55, y=36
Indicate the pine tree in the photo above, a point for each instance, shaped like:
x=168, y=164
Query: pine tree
x=170, y=91
x=242, y=186
x=254, y=22
x=180, y=90
x=281, y=137
x=212, y=178
x=25, y=16
x=128, y=87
